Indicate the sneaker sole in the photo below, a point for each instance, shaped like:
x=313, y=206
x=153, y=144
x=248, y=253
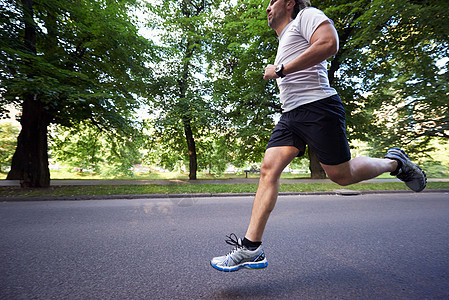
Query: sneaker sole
x=399, y=153
x=248, y=265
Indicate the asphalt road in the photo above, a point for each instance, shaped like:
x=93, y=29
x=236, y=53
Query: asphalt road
x=381, y=246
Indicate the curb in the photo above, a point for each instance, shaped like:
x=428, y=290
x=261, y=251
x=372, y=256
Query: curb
x=340, y=192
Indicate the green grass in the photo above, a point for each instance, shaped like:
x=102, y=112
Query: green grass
x=60, y=174
x=10, y=192
x=64, y=174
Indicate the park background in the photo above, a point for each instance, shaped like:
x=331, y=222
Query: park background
x=174, y=89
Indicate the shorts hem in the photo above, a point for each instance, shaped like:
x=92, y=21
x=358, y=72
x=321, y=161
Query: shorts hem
x=335, y=163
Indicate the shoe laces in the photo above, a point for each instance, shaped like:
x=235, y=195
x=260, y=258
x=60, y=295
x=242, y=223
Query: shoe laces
x=234, y=241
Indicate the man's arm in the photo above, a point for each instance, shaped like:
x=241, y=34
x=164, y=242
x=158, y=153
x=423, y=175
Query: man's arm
x=323, y=44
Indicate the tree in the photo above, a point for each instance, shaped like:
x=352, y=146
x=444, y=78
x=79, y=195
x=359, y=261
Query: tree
x=378, y=41
x=389, y=70
x=241, y=45
x=78, y=147
x=411, y=97
x=64, y=62
x=181, y=91
x=86, y=147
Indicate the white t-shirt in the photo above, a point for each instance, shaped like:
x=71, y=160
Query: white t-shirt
x=307, y=85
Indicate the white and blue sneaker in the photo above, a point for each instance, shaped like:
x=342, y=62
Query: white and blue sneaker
x=240, y=257
x=411, y=174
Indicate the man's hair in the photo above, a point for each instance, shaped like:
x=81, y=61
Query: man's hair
x=299, y=4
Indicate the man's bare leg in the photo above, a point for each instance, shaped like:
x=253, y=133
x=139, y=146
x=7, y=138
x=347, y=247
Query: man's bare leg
x=277, y=158
x=359, y=169
x=248, y=253
x=274, y=162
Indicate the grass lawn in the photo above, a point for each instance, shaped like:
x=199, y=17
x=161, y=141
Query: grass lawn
x=60, y=174
x=9, y=192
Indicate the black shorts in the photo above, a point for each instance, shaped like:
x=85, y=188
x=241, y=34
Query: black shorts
x=321, y=125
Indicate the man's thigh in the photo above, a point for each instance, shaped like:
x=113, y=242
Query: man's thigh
x=277, y=158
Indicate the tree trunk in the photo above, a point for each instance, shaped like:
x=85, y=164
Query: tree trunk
x=193, y=165
x=186, y=119
x=315, y=168
x=30, y=160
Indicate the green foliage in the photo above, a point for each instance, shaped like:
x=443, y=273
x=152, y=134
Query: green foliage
x=90, y=61
x=214, y=151
x=165, y=149
x=85, y=147
x=388, y=61
x=394, y=62
x=411, y=100
x=168, y=150
x=8, y=142
x=181, y=93
x=77, y=60
x=241, y=45
x=91, y=68
x=436, y=162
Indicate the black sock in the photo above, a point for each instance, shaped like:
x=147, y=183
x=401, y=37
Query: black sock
x=250, y=245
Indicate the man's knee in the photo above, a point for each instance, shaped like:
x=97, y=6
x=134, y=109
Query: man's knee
x=340, y=175
x=340, y=179
x=268, y=172
x=274, y=162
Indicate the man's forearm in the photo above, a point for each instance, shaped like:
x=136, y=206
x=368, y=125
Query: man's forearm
x=323, y=44
x=318, y=52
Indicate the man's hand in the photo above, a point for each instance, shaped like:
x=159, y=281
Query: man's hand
x=270, y=73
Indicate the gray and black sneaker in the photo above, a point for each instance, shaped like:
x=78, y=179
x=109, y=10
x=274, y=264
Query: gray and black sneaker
x=240, y=257
x=411, y=174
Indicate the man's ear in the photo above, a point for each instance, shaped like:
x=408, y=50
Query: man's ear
x=291, y=4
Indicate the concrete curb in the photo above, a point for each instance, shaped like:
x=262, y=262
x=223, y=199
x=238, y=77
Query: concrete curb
x=341, y=192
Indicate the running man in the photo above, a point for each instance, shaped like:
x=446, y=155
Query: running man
x=313, y=115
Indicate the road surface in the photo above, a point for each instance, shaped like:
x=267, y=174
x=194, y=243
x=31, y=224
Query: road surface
x=381, y=246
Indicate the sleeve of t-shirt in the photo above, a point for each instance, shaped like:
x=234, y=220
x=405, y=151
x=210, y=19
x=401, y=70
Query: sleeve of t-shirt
x=309, y=21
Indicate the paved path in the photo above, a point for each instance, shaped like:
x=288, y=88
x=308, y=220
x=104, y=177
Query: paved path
x=385, y=246
x=57, y=182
